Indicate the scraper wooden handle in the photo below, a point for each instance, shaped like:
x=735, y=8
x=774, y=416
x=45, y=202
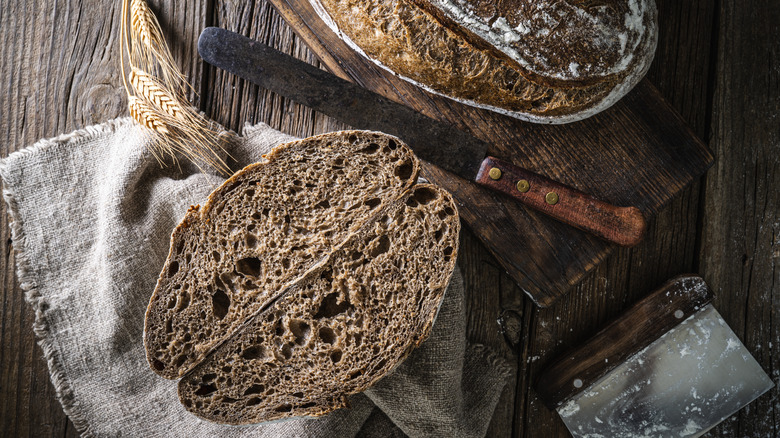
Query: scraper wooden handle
x=624, y=226
x=637, y=328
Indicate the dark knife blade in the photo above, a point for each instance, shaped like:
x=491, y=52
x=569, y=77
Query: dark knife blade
x=438, y=143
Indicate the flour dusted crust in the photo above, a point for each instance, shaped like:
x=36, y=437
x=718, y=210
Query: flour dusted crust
x=303, y=279
x=545, y=61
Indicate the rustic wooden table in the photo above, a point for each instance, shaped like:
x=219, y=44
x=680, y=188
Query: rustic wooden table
x=718, y=63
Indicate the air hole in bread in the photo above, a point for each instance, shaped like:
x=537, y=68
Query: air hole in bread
x=372, y=148
x=229, y=400
x=404, y=170
x=232, y=186
x=254, y=352
x=249, y=193
x=286, y=263
x=373, y=202
x=169, y=326
x=300, y=330
x=250, y=240
x=216, y=256
x=207, y=378
x=286, y=351
x=425, y=195
x=284, y=408
x=447, y=251
x=438, y=235
x=253, y=401
x=355, y=374
x=254, y=389
x=327, y=335
x=250, y=266
x=323, y=204
x=392, y=144
x=220, y=303
x=379, y=246
x=330, y=306
x=279, y=328
x=335, y=356
x=184, y=301
x=173, y=268
x=158, y=365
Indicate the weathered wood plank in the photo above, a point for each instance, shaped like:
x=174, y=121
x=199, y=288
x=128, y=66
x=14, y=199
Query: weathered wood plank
x=60, y=73
x=740, y=250
x=53, y=80
x=233, y=102
x=680, y=70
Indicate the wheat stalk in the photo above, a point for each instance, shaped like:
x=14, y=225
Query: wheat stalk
x=156, y=92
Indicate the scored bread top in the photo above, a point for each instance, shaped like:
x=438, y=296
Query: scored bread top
x=346, y=324
x=556, y=40
x=261, y=231
x=543, y=61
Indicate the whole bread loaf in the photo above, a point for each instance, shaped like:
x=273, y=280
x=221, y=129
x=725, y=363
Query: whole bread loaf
x=546, y=61
x=302, y=279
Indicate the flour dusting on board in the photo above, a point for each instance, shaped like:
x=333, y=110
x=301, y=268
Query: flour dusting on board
x=688, y=380
x=603, y=35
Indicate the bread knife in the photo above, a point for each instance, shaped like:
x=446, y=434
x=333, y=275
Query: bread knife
x=438, y=143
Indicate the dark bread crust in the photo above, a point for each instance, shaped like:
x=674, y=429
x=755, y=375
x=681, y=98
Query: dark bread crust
x=263, y=229
x=342, y=327
x=423, y=44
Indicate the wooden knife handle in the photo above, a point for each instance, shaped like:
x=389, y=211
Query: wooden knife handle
x=624, y=226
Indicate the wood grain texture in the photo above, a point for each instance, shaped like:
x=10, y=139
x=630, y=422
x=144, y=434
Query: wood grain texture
x=716, y=64
x=740, y=246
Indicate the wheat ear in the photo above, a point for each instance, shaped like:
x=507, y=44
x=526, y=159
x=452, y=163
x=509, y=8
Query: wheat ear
x=146, y=86
x=144, y=115
x=157, y=89
x=150, y=47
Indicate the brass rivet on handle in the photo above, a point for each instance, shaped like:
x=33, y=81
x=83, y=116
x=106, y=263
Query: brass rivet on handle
x=523, y=186
x=495, y=173
x=551, y=198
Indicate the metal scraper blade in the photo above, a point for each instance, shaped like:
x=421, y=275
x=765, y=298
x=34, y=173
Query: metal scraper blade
x=686, y=382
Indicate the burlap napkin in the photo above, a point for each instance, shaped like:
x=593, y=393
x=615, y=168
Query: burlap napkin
x=92, y=215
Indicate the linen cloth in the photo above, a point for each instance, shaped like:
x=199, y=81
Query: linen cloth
x=92, y=214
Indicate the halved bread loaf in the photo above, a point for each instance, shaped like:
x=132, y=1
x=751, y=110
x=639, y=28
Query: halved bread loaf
x=340, y=328
x=261, y=231
x=546, y=61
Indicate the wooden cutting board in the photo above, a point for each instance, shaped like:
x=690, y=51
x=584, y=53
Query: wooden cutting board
x=639, y=152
